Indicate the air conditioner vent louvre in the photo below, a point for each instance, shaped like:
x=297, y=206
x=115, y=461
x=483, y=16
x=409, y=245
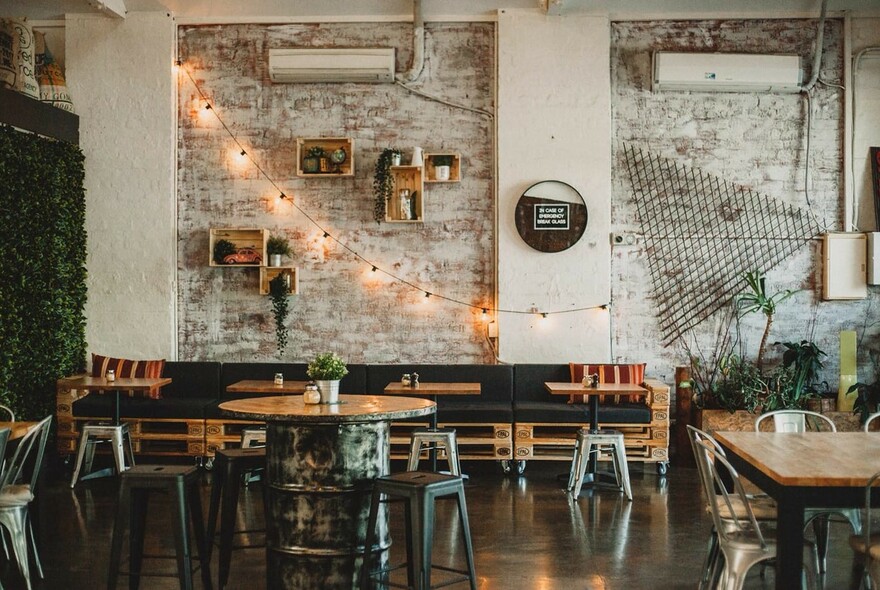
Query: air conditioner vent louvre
x=358, y=65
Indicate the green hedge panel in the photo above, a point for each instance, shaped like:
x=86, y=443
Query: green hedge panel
x=42, y=269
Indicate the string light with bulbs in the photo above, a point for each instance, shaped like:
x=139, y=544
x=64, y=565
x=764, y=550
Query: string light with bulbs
x=484, y=311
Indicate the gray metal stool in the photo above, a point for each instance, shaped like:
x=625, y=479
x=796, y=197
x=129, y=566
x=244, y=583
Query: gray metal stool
x=418, y=489
x=586, y=440
x=93, y=433
x=432, y=438
x=182, y=484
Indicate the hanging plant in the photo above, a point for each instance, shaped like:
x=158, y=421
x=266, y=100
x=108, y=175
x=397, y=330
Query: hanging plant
x=383, y=182
x=279, y=290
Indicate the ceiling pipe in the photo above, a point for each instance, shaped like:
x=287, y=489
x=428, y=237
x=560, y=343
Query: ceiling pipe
x=817, y=50
x=418, y=60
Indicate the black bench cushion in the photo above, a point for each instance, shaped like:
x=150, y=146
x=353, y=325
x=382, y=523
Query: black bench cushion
x=553, y=412
x=96, y=405
x=200, y=380
x=354, y=382
x=475, y=413
x=529, y=383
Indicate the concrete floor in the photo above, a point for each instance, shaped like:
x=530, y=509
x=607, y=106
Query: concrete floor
x=527, y=533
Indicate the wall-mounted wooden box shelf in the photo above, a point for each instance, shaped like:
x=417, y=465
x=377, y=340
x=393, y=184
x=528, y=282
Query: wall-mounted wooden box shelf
x=431, y=167
x=406, y=178
x=250, y=245
x=325, y=167
x=267, y=273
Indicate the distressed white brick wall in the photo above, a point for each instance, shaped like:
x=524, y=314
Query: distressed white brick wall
x=866, y=125
x=119, y=75
x=341, y=306
x=756, y=140
x=553, y=124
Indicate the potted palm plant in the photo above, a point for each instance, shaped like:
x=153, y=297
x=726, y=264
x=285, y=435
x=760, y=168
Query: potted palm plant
x=277, y=247
x=327, y=370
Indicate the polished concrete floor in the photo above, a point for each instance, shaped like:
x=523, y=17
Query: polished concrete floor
x=527, y=533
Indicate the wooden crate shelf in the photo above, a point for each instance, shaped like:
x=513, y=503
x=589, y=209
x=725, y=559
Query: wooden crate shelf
x=244, y=240
x=431, y=167
x=406, y=178
x=267, y=273
x=326, y=168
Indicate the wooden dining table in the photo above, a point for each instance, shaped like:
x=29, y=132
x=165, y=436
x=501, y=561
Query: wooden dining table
x=815, y=469
x=267, y=386
x=143, y=385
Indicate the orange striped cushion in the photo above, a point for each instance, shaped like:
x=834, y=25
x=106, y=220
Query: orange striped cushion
x=608, y=374
x=127, y=368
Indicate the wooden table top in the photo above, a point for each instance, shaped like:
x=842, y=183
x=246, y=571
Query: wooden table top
x=267, y=386
x=429, y=388
x=565, y=388
x=19, y=429
x=126, y=383
x=814, y=459
x=352, y=408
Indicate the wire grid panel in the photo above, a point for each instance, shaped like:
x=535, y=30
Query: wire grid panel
x=702, y=233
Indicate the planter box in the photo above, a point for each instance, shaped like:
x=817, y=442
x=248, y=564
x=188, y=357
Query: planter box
x=713, y=421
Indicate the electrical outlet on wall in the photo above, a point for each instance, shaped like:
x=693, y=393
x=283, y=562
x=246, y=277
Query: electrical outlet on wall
x=625, y=239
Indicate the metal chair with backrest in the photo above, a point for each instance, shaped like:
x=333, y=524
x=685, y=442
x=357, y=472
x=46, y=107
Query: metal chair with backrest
x=866, y=545
x=869, y=421
x=17, y=487
x=740, y=539
x=763, y=508
x=805, y=421
x=9, y=411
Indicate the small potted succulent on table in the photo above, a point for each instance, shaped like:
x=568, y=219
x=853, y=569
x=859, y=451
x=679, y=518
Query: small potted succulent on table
x=327, y=370
x=277, y=247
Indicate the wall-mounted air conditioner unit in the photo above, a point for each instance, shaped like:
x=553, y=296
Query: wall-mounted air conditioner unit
x=364, y=65
x=726, y=72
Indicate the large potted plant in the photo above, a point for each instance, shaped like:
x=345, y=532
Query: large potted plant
x=383, y=182
x=277, y=247
x=327, y=370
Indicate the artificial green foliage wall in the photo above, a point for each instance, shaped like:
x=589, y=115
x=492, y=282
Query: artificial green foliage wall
x=42, y=269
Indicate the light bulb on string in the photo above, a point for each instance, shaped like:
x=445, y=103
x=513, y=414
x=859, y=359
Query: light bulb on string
x=485, y=315
x=544, y=315
x=427, y=297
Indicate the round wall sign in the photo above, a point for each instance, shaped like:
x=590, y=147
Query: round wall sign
x=551, y=216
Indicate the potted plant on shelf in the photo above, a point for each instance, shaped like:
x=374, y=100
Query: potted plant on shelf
x=442, y=166
x=222, y=249
x=327, y=370
x=279, y=290
x=383, y=182
x=312, y=161
x=277, y=247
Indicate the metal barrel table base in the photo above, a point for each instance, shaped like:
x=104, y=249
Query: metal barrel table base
x=319, y=505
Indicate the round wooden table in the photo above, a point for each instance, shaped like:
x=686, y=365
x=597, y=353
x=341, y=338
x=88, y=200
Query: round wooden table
x=321, y=461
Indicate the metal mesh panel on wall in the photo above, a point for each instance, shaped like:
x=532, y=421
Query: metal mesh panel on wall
x=701, y=233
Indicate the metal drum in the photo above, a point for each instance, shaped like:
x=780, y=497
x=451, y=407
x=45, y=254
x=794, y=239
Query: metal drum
x=319, y=479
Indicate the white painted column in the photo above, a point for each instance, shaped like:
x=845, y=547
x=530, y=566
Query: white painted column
x=554, y=123
x=122, y=83
x=866, y=124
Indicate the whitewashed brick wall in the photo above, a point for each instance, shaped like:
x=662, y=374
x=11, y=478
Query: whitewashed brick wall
x=341, y=307
x=755, y=140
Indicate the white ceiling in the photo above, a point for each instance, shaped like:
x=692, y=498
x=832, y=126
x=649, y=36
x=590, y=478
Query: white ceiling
x=348, y=9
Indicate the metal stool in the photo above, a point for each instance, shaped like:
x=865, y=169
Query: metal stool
x=586, y=440
x=181, y=483
x=230, y=465
x=419, y=490
x=93, y=433
x=253, y=437
x=432, y=438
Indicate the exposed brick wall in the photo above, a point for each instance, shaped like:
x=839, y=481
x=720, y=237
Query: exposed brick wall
x=756, y=140
x=340, y=307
